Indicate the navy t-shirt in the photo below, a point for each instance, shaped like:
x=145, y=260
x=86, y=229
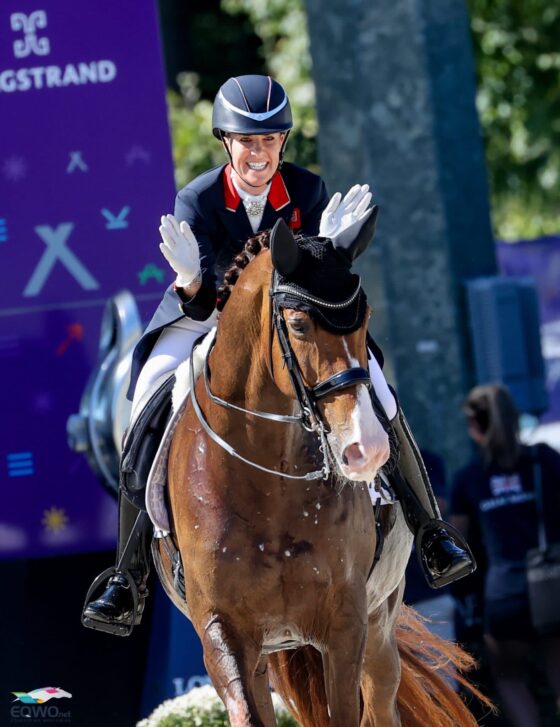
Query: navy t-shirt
x=503, y=504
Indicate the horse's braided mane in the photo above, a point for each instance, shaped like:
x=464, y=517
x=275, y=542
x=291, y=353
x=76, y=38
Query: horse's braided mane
x=253, y=246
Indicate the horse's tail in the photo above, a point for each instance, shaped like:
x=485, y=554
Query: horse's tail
x=298, y=677
x=428, y=663
x=425, y=695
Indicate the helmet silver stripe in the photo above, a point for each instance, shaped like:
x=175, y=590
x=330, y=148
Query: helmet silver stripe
x=249, y=114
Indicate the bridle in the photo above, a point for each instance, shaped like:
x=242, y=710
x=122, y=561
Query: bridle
x=310, y=417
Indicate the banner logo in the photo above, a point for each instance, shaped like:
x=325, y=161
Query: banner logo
x=38, y=696
x=32, y=707
x=30, y=42
x=39, y=77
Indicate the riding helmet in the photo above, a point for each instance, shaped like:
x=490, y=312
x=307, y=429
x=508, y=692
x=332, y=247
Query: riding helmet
x=251, y=105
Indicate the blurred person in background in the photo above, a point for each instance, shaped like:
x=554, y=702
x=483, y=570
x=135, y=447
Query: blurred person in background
x=496, y=491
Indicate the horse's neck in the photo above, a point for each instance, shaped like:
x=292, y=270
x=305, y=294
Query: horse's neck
x=241, y=375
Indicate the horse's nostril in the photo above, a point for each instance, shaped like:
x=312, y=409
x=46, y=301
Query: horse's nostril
x=365, y=457
x=352, y=454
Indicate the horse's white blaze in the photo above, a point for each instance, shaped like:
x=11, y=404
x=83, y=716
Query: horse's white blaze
x=362, y=445
x=366, y=446
x=366, y=425
x=354, y=363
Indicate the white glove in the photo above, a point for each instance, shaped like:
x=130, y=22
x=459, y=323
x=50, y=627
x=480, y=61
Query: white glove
x=180, y=249
x=342, y=220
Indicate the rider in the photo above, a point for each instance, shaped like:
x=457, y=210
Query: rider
x=218, y=211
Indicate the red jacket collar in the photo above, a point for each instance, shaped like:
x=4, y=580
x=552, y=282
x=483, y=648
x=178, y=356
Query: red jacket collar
x=278, y=195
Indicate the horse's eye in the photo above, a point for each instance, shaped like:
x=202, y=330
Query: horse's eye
x=299, y=326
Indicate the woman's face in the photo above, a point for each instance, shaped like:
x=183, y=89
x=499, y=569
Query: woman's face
x=255, y=159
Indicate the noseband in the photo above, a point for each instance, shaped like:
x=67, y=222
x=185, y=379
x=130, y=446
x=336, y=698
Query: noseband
x=310, y=417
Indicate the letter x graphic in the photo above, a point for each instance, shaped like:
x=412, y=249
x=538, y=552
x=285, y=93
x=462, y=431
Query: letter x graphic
x=55, y=240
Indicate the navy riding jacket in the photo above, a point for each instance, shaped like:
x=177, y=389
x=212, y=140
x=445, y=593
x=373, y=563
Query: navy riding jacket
x=217, y=217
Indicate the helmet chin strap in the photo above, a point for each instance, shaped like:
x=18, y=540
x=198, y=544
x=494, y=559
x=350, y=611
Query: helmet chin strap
x=278, y=168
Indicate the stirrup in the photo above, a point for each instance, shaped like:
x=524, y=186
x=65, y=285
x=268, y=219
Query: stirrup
x=459, y=539
x=118, y=629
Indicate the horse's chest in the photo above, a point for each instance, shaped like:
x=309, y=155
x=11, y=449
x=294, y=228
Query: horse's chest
x=289, y=564
x=310, y=532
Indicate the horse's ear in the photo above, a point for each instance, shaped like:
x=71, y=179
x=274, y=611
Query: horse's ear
x=360, y=243
x=285, y=252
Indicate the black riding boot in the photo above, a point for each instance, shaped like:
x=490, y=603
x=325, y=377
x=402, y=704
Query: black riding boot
x=119, y=608
x=443, y=553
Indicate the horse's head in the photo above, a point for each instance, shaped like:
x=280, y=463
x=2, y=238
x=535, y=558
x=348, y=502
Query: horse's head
x=326, y=316
x=310, y=306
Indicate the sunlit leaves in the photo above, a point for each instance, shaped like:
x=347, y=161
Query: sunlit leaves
x=518, y=68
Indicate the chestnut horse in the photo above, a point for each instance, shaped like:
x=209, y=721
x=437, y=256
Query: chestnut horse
x=274, y=522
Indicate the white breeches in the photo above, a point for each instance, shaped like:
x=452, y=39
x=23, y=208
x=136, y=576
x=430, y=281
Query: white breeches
x=173, y=346
x=382, y=389
x=175, y=343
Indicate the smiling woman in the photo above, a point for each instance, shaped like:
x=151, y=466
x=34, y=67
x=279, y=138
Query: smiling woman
x=254, y=159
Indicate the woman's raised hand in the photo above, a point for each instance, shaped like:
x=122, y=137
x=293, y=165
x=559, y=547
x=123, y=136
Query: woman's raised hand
x=342, y=219
x=180, y=249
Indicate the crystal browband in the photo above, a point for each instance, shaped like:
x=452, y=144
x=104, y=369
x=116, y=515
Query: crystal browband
x=299, y=293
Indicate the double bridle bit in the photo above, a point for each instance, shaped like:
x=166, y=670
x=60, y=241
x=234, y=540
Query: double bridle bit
x=310, y=417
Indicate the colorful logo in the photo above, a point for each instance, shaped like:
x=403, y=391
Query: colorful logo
x=505, y=484
x=39, y=696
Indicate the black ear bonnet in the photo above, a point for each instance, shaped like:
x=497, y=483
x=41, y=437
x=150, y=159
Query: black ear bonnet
x=311, y=275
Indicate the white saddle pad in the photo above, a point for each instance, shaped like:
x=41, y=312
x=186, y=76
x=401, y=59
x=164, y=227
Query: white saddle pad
x=157, y=479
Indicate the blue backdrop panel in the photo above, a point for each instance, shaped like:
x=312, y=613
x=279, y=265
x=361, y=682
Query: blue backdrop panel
x=85, y=173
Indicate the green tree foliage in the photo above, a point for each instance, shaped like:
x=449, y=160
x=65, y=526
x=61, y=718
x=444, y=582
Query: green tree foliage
x=221, y=45
x=195, y=149
x=518, y=66
x=282, y=27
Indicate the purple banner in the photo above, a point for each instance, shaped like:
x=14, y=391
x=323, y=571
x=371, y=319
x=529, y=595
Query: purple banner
x=540, y=259
x=85, y=173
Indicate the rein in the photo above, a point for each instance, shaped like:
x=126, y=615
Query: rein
x=310, y=417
